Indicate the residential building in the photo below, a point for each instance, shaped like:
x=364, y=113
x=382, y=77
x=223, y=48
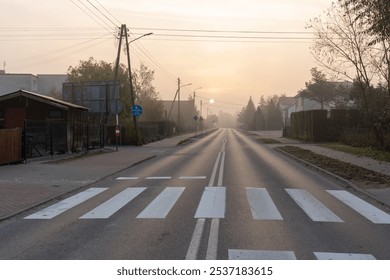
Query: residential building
x=46, y=84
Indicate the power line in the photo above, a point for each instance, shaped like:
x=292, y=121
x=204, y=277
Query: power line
x=108, y=12
x=72, y=48
x=89, y=15
x=101, y=12
x=222, y=31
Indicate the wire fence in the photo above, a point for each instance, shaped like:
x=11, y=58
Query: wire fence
x=43, y=138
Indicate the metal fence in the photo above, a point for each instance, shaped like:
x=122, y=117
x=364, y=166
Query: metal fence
x=43, y=138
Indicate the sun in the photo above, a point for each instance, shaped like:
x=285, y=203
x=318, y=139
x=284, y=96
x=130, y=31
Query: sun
x=211, y=101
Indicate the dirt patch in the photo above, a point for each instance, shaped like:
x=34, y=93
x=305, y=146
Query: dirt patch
x=362, y=177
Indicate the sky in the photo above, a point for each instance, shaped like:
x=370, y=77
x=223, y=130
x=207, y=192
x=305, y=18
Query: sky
x=227, y=50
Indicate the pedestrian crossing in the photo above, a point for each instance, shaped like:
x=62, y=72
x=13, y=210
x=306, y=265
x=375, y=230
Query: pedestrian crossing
x=212, y=204
x=235, y=254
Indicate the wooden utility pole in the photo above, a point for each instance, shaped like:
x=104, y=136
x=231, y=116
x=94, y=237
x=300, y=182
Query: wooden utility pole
x=178, y=105
x=131, y=84
x=123, y=33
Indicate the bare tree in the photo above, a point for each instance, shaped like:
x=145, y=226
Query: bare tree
x=343, y=47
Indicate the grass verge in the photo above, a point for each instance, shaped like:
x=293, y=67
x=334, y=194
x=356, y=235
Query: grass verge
x=359, y=175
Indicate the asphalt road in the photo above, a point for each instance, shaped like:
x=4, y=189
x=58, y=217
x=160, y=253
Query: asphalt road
x=223, y=196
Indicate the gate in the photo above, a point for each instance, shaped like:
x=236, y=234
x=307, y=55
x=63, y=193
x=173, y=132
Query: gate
x=10, y=145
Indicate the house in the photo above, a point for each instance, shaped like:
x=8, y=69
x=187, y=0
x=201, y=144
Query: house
x=300, y=102
x=48, y=123
x=187, y=113
x=13, y=82
x=287, y=105
x=45, y=84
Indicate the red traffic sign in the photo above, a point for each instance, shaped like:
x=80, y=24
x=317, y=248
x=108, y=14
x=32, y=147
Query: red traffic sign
x=117, y=131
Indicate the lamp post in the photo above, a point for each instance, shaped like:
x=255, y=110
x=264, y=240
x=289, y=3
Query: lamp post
x=132, y=95
x=123, y=33
x=178, y=102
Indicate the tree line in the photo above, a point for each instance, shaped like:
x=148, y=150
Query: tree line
x=267, y=115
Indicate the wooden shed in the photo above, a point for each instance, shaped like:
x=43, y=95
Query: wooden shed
x=39, y=111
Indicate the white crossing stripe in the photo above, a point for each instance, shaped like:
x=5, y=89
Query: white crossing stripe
x=192, y=177
x=260, y=255
x=127, y=178
x=212, y=203
x=372, y=213
x=108, y=208
x=159, y=178
x=312, y=207
x=343, y=256
x=162, y=204
x=66, y=204
x=261, y=204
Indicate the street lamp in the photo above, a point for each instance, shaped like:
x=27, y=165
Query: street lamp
x=131, y=80
x=147, y=34
x=123, y=33
x=178, y=102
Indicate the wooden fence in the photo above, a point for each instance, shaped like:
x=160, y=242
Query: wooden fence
x=10, y=145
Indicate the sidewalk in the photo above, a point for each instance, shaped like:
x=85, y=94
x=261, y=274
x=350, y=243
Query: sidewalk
x=23, y=186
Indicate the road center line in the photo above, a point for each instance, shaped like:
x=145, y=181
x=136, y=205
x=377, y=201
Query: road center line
x=193, y=249
x=214, y=173
x=212, y=246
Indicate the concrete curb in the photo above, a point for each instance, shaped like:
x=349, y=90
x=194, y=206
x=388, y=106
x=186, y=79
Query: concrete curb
x=72, y=191
x=349, y=183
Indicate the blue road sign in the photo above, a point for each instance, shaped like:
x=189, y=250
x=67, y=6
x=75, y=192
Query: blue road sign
x=136, y=110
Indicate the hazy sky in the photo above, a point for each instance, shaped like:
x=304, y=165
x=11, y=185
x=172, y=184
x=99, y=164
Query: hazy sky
x=232, y=49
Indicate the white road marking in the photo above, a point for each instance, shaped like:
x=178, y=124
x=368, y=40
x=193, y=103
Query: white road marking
x=192, y=177
x=221, y=168
x=212, y=245
x=312, y=207
x=343, y=256
x=261, y=204
x=212, y=177
x=158, y=178
x=193, y=249
x=126, y=178
x=108, y=208
x=212, y=203
x=66, y=204
x=372, y=213
x=260, y=255
x=162, y=204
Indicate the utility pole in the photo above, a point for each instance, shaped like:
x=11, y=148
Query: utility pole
x=131, y=85
x=178, y=105
x=116, y=79
x=123, y=33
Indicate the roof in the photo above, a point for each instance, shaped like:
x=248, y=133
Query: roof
x=43, y=98
x=286, y=100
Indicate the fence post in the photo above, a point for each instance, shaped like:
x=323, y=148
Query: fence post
x=51, y=140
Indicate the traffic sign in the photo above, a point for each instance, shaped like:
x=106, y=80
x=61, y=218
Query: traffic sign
x=116, y=107
x=136, y=110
